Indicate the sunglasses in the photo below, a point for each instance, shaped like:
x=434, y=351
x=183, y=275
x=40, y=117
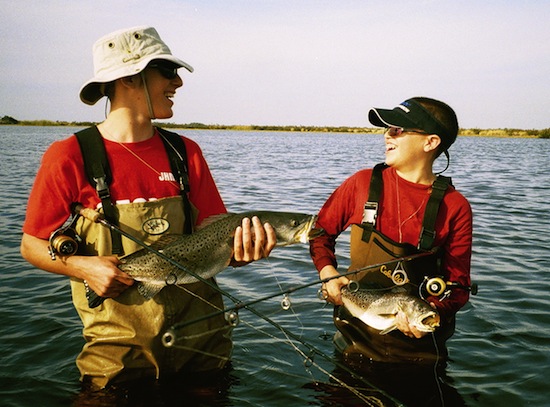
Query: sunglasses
x=397, y=131
x=168, y=71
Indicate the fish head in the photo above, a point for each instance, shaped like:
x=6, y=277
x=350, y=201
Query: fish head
x=292, y=227
x=422, y=316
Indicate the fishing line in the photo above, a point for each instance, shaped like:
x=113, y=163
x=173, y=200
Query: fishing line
x=439, y=389
x=309, y=361
x=238, y=304
x=311, y=348
x=286, y=302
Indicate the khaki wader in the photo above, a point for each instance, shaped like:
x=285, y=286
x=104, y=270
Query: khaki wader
x=123, y=334
x=360, y=343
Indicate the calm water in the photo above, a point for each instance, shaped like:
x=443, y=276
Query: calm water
x=500, y=352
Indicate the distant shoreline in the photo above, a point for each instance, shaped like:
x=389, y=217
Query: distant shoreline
x=512, y=133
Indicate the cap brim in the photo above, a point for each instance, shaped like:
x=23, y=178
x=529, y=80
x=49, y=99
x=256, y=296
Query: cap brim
x=91, y=92
x=390, y=118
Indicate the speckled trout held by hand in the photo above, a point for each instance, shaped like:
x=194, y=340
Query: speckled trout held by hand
x=378, y=309
x=205, y=252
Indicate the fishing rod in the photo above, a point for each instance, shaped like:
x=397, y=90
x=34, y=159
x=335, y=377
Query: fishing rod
x=169, y=338
x=285, y=303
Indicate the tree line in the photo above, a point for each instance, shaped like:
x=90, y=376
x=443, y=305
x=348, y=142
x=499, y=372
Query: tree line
x=545, y=133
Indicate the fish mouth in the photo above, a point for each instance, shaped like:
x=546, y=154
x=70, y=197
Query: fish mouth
x=308, y=232
x=429, y=321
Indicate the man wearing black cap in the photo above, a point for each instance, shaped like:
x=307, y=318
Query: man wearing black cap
x=400, y=209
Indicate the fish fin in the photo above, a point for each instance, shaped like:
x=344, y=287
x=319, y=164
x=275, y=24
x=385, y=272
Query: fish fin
x=388, y=329
x=212, y=219
x=148, y=290
x=94, y=300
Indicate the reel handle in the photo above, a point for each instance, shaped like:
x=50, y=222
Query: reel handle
x=87, y=213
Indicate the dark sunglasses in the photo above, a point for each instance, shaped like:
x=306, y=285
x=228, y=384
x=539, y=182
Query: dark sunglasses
x=169, y=71
x=397, y=131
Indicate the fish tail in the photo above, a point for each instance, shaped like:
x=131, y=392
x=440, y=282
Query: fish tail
x=94, y=300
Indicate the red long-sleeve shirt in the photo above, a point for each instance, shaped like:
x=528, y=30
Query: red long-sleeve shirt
x=401, y=211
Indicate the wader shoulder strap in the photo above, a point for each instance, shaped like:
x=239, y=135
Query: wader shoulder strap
x=370, y=210
x=99, y=176
x=427, y=235
x=175, y=147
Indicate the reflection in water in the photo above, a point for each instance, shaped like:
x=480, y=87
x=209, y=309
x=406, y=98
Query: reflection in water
x=181, y=390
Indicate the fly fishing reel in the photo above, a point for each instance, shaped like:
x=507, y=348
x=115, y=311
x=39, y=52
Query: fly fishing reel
x=64, y=241
x=438, y=287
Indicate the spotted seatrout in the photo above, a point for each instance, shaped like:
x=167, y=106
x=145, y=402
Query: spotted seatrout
x=205, y=252
x=378, y=309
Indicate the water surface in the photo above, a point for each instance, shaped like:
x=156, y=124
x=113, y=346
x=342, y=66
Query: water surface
x=500, y=351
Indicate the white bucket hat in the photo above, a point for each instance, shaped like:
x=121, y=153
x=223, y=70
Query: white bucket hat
x=124, y=53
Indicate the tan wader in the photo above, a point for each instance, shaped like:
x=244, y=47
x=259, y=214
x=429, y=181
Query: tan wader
x=358, y=342
x=123, y=334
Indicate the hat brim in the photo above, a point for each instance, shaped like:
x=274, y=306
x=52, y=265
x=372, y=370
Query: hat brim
x=91, y=91
x=390, y=118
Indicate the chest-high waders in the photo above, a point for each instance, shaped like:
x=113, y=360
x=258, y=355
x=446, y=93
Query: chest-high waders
x=123, y=334
x=360, y=343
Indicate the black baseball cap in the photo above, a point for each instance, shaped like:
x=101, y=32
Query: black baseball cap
x=412, y=115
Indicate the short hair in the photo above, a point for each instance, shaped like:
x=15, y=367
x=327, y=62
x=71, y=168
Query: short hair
x=445, y=115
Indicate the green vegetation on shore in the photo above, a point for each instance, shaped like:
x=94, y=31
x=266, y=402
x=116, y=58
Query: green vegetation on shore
x=545, y=133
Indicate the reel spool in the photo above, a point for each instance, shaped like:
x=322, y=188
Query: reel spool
x=62, y=242
x=437, y=287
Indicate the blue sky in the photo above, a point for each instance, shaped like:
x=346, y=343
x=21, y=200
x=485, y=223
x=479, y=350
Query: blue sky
x=293, y=62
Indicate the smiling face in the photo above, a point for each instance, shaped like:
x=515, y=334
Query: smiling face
x=404, y=147
x=162, y=82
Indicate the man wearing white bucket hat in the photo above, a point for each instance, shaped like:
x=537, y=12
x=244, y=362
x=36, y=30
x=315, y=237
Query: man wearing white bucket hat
x=138, y=74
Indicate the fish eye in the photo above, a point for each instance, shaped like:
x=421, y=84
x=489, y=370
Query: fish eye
x=293, y=223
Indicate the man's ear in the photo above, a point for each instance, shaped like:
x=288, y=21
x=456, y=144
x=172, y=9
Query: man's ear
x=432, y=142
x=130, y=81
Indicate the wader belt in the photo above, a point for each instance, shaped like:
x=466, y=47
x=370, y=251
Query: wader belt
x=427, y=234
x=99, y=174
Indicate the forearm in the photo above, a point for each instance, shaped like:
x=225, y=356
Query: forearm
x=35, y=251
x=100, y=272
x=322, y=251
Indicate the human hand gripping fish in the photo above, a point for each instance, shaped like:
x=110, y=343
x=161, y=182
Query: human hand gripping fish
x=253, y=241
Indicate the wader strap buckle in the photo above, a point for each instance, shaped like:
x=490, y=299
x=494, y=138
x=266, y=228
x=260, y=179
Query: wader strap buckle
x=370, y=212
x=102, y=188
x=371, y=206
